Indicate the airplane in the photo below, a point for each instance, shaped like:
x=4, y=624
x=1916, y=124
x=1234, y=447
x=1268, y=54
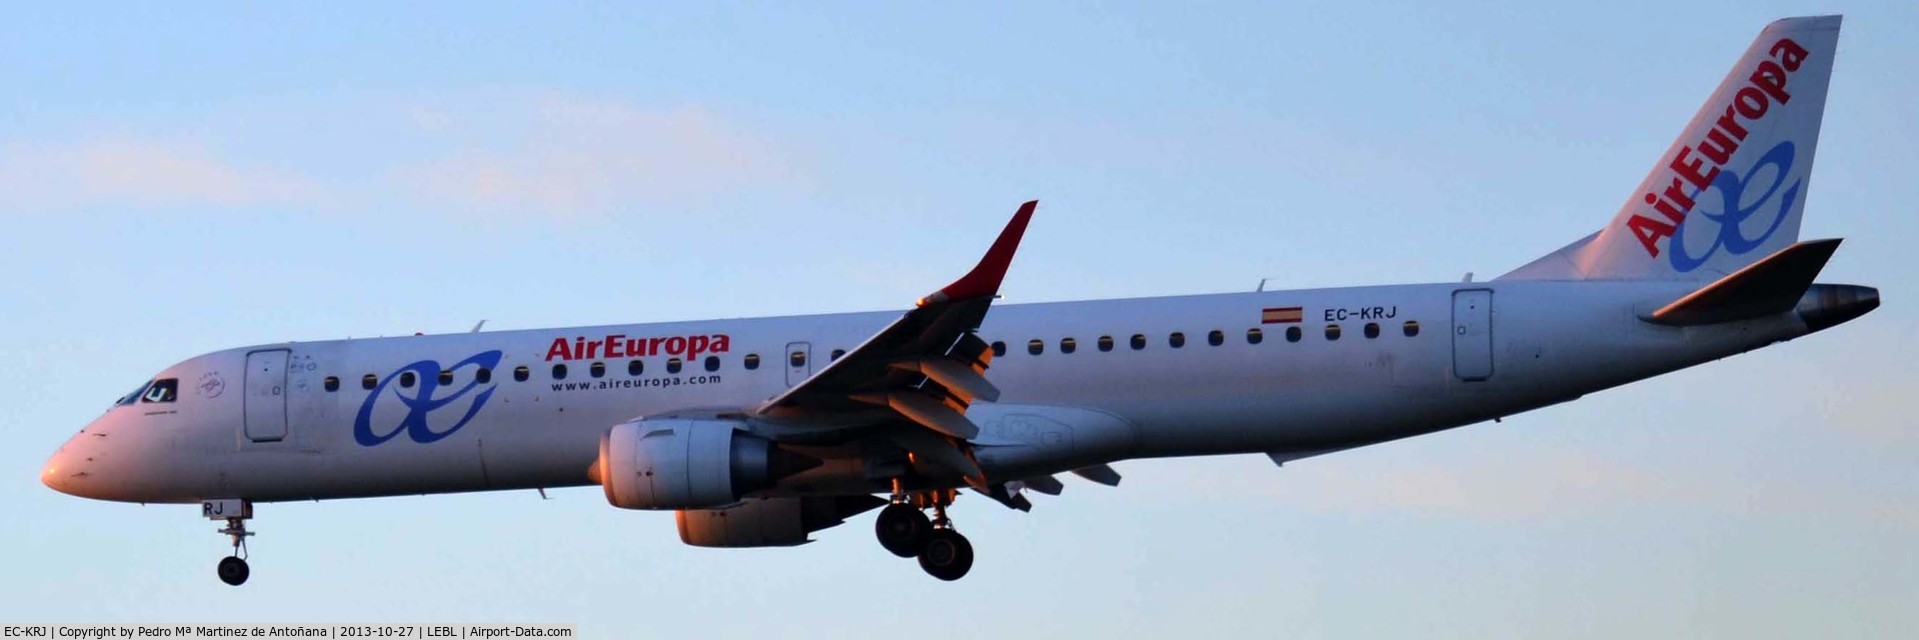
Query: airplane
x=760, y=432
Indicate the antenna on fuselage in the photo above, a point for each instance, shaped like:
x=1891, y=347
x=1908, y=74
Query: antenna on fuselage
x=476, y=329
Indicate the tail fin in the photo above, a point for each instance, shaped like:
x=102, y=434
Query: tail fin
x=1730, y=190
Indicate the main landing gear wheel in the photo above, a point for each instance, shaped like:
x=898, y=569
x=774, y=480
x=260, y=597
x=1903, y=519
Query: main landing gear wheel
x=905, y=531
x=947, y=555
x=234, y=571
x=902, y=529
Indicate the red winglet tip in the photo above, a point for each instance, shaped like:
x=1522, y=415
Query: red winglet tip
x=985, y=278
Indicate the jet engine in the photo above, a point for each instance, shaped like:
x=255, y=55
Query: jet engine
x=689, y=463
x=775, y=522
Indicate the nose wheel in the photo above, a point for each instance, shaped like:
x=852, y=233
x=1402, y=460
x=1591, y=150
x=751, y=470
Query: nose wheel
x=904, y=530
x=232, y=569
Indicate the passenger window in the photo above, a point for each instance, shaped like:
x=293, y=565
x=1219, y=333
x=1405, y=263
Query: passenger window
x=369, y=381
x=1255, y=336
x=1035, y=346
x=332, y=383
x=835, y=355
x=796, y=359
x=446, y=377
x=483, y=376
x=1332, y=332
x=1105, y=343
x=1068, y=345
x=598, y=370
x=1411, y=328
x=712, y=363
x=163, y=390
x=635, y=367
x=1372, y=330
x=1215, y=337
x=999, y=349
x=521, y=373
x=673, y=365
x=559, y=372
x=1293, y=334
x=1139, y=341
x=752, y=361
x=1176, y=339
x=407, y=379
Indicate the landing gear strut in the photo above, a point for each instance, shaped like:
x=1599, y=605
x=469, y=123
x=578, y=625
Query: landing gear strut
x=905, y=531
x=233, y=569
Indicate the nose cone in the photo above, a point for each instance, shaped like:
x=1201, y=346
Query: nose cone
x=85, y=467
x=57, y=474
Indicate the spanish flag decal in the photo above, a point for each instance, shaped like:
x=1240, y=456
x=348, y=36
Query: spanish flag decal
x=1279, y=315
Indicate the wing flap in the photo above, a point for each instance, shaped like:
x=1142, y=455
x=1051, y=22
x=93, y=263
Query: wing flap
x=1048, y=485
x=925, y=411
x=929, y=447
x=1099, y=473
x=963, y=380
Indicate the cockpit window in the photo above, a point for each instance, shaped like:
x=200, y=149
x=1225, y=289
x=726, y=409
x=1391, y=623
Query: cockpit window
x=163, y=390
x=131, y=397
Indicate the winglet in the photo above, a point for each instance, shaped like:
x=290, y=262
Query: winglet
x=984, y=279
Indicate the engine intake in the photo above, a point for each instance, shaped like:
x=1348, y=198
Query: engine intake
x=689, y=464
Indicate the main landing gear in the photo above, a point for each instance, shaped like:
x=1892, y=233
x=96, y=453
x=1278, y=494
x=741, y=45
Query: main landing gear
x=233, y=569
x=905, y=531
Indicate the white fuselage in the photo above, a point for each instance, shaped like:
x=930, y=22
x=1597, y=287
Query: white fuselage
x=1536, y=343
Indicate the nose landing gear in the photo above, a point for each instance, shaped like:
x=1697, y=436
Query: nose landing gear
x=233, y=569
x=904, y=530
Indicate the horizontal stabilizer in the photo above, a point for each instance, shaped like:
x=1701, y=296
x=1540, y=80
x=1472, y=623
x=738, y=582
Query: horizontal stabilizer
x=1099, y=473
x=1770, y=286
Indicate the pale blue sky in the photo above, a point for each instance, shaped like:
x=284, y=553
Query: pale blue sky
x=174, y=181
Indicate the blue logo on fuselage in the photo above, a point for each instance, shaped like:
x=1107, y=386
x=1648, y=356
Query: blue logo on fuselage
x=1734, y=212
x=424, y=401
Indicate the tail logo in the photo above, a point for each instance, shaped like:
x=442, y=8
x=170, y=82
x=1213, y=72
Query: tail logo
x=1697, y=167
x=1732, y=218
x=426, y=373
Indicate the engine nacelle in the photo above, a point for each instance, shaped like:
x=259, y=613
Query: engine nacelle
x=688, y=464
x=775, y=522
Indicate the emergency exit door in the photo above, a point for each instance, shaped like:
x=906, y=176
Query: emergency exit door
x=266, y=396
x=799, y=362
x=1473, y=334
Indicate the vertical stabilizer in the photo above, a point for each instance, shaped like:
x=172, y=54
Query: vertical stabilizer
x=1730, y=190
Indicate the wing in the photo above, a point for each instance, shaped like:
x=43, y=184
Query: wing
x=925, y=368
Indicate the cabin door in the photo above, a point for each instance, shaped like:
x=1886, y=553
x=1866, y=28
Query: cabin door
x=1473, y=334
x=799, y=362
x=266, y=396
